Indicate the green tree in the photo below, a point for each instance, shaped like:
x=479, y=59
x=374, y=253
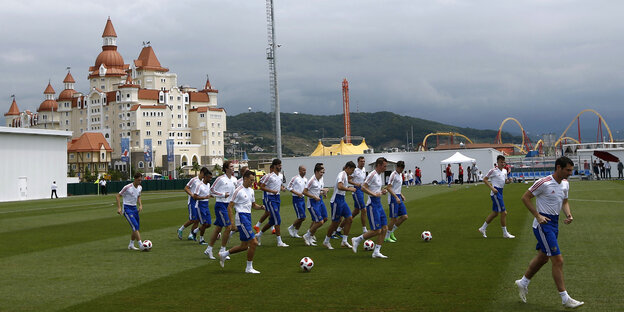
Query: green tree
x=72, y=173
x=196, y=167
x=158, y=170
x=216, y=170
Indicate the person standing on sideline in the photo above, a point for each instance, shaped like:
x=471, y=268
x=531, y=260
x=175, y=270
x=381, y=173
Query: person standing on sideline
x=201, y=194
x=475, y=173
x=373, y=186
x=239, y=209
x=461, y=174
x=551, y=195
x=222, y=189
x=607, y=167
x=449, y=175
x=296, y=186
x=273, y=186
x=313, y=192
x=193, y=218
x=418, y=176
x=53, y=187
x=469, y=176
x=620, y=170
x=496, y=179
x=131, y=195
x=596, y=171
x=396, y=203
x=602, y=169
x=339, y=207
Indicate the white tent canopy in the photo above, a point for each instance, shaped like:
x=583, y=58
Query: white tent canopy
x=458, y=158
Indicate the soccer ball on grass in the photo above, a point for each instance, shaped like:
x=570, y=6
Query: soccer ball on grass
x=426, y=236
x=369, y=245
x=147, y=245
x=306, y=264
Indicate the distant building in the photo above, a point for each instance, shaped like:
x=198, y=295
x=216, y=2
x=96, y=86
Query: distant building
x=90, y=151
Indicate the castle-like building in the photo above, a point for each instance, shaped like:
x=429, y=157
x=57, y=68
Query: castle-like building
x=138, y=101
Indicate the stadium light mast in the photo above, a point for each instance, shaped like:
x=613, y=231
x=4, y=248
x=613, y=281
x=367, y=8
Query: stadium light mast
x=345, y=110
x=273, y=77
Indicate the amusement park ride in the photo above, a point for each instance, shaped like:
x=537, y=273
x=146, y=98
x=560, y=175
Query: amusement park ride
x=526, y=147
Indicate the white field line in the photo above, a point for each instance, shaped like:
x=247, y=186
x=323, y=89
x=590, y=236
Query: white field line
x=598, y=200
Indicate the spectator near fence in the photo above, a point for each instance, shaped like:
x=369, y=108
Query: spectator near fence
x=607, y=168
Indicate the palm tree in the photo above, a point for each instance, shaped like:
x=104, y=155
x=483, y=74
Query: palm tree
x=195, y=167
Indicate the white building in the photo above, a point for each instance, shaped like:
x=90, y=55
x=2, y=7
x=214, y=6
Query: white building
x=138, y=101
x=31, y=160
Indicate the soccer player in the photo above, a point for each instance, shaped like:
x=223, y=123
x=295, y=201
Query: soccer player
x=339, y=207
x=313, y=192
x=131, y=195
x=242, y=170
x=239, y=209
x=396, y=202
x=373, y=186
x=357, y=179
x=496, y=179
x=551, y=195
x=264, y=198
x=222, y=190
x=193, y=218
x=272, y=186
x=201, y=194
x=296, y=186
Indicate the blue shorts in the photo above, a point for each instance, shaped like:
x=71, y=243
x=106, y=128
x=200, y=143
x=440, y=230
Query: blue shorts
x=245, y=230
x=376, y=215
x=358, y=199
x=203, y=211
x=314, y=209
x=397, y=209
x=497, y=201
x=299, y=205
x=339, y=208
x=411, y=181
x=274, y=209
x=222, y=218
x=192, y=210
x=323, y=209
x=132, y=215
x=264, y=201
x=547, y=234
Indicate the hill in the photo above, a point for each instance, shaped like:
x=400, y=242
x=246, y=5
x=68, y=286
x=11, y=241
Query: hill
x=300, y=132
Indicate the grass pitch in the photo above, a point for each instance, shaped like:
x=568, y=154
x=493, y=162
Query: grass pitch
x=70, y=255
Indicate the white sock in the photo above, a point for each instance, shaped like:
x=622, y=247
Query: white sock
x=359, y=238
x=377, y=248
x=209, y=248
x=273, y=228
x=181, y=228
x=564, y=296
x=279, y=240
x=339, y=229
x=344, y=238
x=394, y=227
x=196, y=230
x=388, y=234
x=222, y=249
x=308, y=233
x=258, y=224
x=201, y=238
x=250, y=264
x=140, y=242
x=226, y=253
x=259, y=234
x=131, y=242
x=291, y=227
x=525, y=281
x=326, y=241
x=484, y=226
x=363, y=229
x=505, y=230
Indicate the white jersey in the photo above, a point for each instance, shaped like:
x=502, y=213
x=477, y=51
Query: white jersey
x=374, y=183
x=314, y=187
x=549, y=195
x=192, y=184
x=54, y=187
x=341, y=178
x=497, y=178
x=273, y=182
x=358, y=176
x=395, y=182
x=221, y=186
x=297, y=184
x=242, y=199
x=130, y=194
x=202, y=190
x=239, y=182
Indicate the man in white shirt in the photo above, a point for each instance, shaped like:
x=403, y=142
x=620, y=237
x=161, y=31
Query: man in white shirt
x=357, y=179
x=239, y=209
x=272, y=187
x=53, y=187
x=396, y=202
x=201, y=194
x=551, y=195
x=193, y=218
x=131, y=195
x=339, y=207
x=222, y=190
x=496, y=180
x=296, y=186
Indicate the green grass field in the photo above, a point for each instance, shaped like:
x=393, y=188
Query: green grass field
x=70, y=254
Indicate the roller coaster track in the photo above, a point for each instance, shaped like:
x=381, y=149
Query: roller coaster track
x=526, y=143
x=450, y=134
x=600, y=120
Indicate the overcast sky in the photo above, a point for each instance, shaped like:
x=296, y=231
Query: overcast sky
x=467, y=63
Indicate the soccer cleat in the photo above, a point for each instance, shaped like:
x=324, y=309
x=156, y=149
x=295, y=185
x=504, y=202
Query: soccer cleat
x=345, y=244
x=313, y=239
x=273, y=231
x=306, y=239
x=379, y=255
x=282, y=244
x=131, y=247
x=296, y=234
x=393, y=237
x=389, y=240
x=259, y=239
x=180, y=236
x=208, y=252
x=141, y=246
x=522, y=290
x=328, y=245
x=571, y=303
x=202, y=242
x=192, y=236
x=482, y=231
x=256, y=228
x=364, y=230
x=290, y=231
x=354, y=243
x=252, y=271
x=222, y=259
x=507, y=235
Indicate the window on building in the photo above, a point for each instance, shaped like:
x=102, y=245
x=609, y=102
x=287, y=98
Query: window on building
x=159, y=143
x=147, y=123
x=141, y=165
x=148, y=133
x=88, y=155
x=159, y=123
x=159, y=133
x=103, y=156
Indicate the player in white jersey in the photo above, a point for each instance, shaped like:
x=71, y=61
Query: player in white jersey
x=496, y=179
x=222, y=190
x=193, y=218
x=357, y=179
x=239, y=210
x=313, y=192
x=241, y=173
x=273, y=186
x=264, y=198
x=296, y=186
x=396, y=202
x=131, y=195
x=201, y=194
x=551, y=195
x=339, y=207
x=373, y=186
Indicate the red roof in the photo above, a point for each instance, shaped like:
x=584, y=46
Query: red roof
x=48, y=105
x=88, y=142
x=109, y=30
x=208, y=87
x=148, y=61
x=13, y=110
x=69, y=78
x=49, y=89
x=204, y=109
x=66, y=94
x=148, y=94
x=199, y=97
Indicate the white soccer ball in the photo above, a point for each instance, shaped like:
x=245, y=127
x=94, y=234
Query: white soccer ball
x=147, y=245
x=426, y=236
x=369, y=245
x=306, y=264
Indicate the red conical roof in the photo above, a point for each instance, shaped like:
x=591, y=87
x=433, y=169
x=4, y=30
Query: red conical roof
x=109, y=30
x=49, y=89
x=148, y=60
x=69, y=78
x=13, y=110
